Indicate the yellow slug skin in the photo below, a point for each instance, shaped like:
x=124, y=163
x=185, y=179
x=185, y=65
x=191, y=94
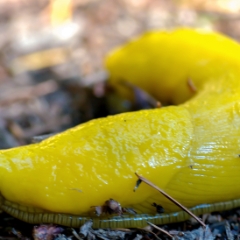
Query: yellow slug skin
x=191, y=151
x=162, y=62
x=93, y=162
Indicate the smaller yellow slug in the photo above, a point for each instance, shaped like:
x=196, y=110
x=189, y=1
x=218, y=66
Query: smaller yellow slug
x=191, y=151
x=162, y=62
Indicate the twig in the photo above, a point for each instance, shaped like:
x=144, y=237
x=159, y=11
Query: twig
x=160, y=229
x=37, y=139
x=142, y=97
x=191, y=86
x=171, y=199
x=28, y=93
x=149, y=231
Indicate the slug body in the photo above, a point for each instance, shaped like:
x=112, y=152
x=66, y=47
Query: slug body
x=191, y=151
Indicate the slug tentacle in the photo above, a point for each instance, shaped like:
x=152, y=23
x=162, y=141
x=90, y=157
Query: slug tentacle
x=190, y=151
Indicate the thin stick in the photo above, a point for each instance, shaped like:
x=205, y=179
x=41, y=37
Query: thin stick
x=149, y=231
x=191, y=86
x=170, y=198
x=160, y=229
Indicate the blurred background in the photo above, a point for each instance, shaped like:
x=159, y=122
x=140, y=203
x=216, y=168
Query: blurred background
x=52, y=55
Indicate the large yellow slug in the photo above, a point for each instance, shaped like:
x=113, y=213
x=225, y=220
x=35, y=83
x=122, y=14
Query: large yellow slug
x=191, y=151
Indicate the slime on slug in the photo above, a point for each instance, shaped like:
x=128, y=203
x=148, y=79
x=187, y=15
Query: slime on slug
x=190, y=151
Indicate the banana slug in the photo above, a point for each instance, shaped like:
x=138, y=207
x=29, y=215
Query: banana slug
x=191, y=151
